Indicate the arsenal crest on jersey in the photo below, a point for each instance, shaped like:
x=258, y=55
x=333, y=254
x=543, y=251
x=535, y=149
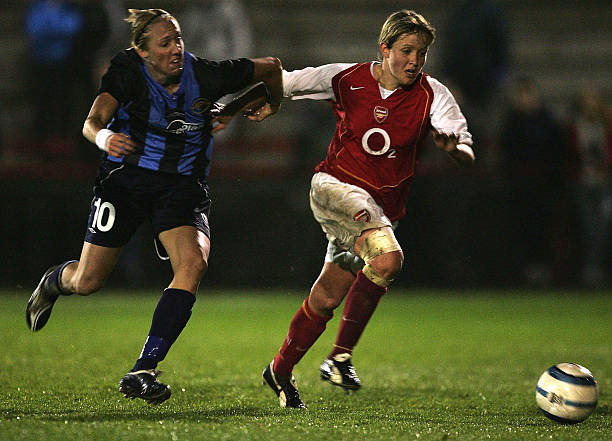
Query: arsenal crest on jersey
x=380, y=113
x=362, y=216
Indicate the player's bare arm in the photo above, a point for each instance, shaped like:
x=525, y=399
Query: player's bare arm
x=249, y=101
x=255, y=106
x=449, y=142
x=102, y=110
x=270, y=71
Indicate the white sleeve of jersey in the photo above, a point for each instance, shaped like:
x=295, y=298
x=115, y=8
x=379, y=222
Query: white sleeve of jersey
x=446, y=115
x=314, y=83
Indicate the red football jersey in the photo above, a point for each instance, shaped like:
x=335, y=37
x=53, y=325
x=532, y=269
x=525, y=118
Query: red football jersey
x=377, y=141
x=379, y=133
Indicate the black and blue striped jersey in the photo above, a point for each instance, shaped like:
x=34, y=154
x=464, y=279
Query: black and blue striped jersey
x=172, y=132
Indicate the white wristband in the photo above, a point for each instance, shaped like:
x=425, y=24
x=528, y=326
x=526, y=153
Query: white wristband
x=101, y=138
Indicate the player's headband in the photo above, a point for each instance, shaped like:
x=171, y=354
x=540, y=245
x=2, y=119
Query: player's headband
x=142, y=29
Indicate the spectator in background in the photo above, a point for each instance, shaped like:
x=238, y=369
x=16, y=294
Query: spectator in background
x=220, y=29
x=89, y=40
x=533, y=155
x=2, y=145
x=591, y=172
x=117, y=37
x=475, y=62
x=52, y=28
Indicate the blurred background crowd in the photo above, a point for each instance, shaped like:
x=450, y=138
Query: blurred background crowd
x=534, y=80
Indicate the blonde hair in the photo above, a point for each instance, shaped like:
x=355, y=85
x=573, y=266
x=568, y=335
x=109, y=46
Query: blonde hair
x=139, y=20
x=405, y=22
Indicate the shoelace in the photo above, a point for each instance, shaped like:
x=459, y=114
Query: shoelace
x=346, y=369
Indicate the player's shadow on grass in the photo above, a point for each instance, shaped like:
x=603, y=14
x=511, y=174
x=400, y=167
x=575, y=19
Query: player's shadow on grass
x=150, y=413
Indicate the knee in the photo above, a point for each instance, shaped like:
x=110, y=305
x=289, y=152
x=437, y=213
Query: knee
x=388, y=265
x=382, y=254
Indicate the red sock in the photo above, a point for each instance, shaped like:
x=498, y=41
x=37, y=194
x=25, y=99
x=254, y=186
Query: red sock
x=361, y=301
x=304, y=330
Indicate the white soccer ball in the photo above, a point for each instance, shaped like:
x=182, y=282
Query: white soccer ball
x=567, y=393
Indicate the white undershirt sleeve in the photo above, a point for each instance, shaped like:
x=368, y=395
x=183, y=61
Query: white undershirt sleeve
x=313, y=83
x=446, y=115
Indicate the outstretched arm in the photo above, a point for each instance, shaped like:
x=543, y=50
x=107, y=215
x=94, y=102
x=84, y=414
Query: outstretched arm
x=249, y=102
x=270, y=71
x=314, y=83
x=257, y=103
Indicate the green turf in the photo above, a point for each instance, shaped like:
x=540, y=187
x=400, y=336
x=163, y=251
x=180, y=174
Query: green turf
x=435, y=366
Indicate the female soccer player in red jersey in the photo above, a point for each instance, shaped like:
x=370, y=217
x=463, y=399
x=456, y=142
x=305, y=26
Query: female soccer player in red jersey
x=384, y=111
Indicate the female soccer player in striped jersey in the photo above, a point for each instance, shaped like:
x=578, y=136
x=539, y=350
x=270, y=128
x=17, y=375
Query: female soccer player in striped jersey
x=152, y=119
x=384, y=111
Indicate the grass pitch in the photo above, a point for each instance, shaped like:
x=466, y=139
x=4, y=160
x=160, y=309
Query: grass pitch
x=435, y=366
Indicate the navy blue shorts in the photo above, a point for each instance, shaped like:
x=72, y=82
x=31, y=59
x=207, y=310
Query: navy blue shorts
x=125, y=196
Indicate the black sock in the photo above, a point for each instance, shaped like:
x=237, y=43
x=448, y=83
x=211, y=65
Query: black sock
x=55, y=277
x=170, y=317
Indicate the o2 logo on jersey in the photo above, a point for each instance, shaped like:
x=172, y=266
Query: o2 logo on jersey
x=386, y=148
x=104, y=216
x=179, y=126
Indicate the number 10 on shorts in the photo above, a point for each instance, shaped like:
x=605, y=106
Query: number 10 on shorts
x=104, y=216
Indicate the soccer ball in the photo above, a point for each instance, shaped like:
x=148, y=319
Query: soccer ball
x=567, y=393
